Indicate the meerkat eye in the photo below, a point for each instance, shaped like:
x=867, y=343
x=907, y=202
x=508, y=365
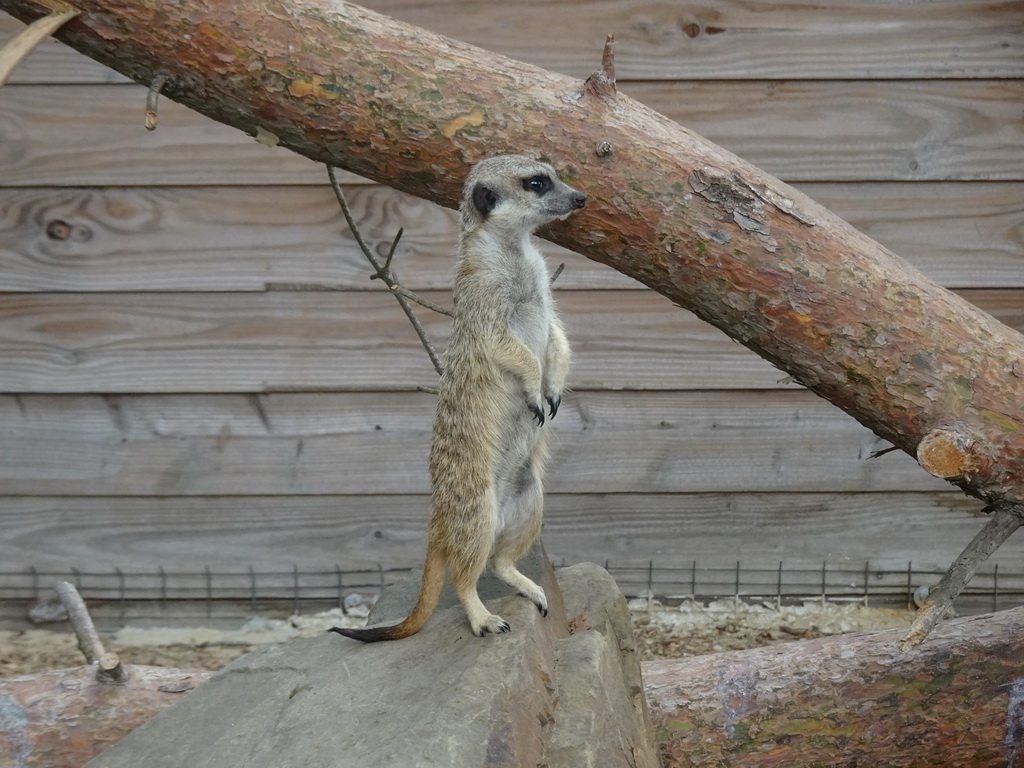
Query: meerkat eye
x=539, y=184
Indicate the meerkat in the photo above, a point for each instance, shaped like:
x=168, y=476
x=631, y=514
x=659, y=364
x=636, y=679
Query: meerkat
x=507, y=357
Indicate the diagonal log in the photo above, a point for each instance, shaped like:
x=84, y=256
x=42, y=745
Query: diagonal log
x=839, y=313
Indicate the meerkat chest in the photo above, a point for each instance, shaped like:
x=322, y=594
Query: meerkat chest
x=531, y=307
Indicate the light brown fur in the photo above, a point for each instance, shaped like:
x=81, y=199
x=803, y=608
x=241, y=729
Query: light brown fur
x=507, y=357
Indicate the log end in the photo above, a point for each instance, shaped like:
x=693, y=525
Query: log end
x=948, y=453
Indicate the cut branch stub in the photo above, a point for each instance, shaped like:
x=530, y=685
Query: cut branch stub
x=602, y=82
x=949, y=453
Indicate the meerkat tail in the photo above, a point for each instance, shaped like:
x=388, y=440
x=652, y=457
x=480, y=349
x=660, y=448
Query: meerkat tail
x=430, y=591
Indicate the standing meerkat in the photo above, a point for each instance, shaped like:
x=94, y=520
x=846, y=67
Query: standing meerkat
x=507, y=357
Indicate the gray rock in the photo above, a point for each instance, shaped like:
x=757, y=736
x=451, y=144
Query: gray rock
x=601, y=716
x=440, y=698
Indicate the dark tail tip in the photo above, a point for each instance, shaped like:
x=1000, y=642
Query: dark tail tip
x=372, y=635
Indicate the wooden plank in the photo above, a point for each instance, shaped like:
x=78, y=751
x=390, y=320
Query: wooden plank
x=732, y=40
x=963, y=235
x=317, y=532
x=361, y=443
x=806, y=131
x=353, y=341
x=741, y=40
x=868, y=131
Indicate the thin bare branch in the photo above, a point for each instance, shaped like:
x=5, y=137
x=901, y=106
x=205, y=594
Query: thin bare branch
x=557, y=272
x=383, y=272
x=1007, y=517
x=22, y=44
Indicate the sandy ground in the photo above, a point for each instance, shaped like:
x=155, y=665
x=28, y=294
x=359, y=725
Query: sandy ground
x=690, y=629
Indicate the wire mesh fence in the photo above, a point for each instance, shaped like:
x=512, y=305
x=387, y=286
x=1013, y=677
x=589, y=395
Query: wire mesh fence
x=217, y=597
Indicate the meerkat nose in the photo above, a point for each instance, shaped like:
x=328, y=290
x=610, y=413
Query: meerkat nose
x=579, y=199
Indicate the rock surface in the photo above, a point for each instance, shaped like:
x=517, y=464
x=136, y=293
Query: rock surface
x=536, y=696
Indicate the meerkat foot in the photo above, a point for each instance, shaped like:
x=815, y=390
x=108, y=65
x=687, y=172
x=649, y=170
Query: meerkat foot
x=536, y=596
x=492, y=625
x=540, y=605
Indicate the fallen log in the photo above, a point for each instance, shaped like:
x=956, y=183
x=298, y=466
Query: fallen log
x=846, y=700
x=65, y=717
x=839, y=313
x=957, y=701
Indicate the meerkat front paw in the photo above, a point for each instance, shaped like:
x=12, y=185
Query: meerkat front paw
x=493, y=625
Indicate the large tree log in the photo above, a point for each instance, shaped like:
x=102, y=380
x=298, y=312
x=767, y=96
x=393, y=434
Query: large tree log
x=849, y=700
x=842, y=315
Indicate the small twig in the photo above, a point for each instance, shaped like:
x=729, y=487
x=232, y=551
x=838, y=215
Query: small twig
x=393, y=248
x=151, y=99
x=557, y=272
x=883, y=451
x=1007, y=517
x=383, y=272
x=26, y=41
x=108, y=667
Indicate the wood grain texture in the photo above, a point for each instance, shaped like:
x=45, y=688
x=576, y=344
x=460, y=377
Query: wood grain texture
x=359, y=443
x=963, y=235
x=353, y=341
x=317, y=532
x=731, y=40
x=857, y=131
x=807, y=131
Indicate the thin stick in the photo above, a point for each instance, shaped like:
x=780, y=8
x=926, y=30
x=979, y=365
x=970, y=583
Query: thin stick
x=108, y=665
x=26, y=41
x=557, y=272
x=1007, y=517
x=384, y=273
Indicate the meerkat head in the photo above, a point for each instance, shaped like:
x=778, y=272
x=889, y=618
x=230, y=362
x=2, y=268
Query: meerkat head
x=516, y=192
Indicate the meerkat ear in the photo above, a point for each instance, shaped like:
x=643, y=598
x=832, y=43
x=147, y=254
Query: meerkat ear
x=484, y=199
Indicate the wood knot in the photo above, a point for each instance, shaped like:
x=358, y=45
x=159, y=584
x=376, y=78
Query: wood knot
x=948, y=453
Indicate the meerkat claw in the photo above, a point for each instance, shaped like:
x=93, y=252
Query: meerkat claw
x=497, y=628
x=554, y=402
x=538, y=414
x=541, y=606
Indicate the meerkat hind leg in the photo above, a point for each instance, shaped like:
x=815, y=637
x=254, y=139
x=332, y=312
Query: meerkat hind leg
x=522, y=514
x=481, y=620
x=467, y=566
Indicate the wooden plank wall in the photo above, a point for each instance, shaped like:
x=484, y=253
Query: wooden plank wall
x=196, y=370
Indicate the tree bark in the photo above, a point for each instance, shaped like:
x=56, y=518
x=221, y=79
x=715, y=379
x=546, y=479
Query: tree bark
x=849, y=700
x=842, y=315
